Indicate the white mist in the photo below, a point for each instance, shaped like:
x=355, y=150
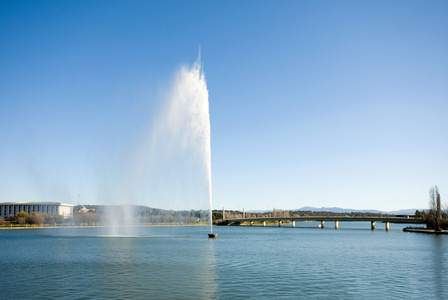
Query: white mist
x=181, y=136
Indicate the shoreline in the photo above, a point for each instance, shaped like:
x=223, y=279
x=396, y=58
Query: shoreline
x=424, y=230
x=97, y=226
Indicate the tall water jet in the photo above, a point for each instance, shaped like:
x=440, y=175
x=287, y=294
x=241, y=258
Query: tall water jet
x=180, y=140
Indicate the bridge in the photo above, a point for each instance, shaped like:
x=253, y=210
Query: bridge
x=335, y=219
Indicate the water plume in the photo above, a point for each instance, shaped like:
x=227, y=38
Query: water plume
x=171, y=168
x=180, y=137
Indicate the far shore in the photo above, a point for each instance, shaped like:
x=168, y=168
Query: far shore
x=95, y=226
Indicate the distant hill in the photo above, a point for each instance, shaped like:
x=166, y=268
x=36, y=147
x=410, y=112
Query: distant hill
x=410, y=211
x=349, y=210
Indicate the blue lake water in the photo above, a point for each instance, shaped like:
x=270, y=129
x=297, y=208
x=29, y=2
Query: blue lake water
x=352, y=262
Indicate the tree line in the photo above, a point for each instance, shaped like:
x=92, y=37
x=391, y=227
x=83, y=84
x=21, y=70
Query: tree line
x=104, y=215
x=23, y=218
x=436, y=218
x=136, y=215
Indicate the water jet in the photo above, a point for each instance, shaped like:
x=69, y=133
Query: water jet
x=180, y=150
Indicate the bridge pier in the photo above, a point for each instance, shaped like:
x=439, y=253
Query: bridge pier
x=322, y=224
x=336, y=224
x=264, y=223
x=279, y=223
x=372, y=225
x=293, y=223
x=251, y=223
x=387, y=226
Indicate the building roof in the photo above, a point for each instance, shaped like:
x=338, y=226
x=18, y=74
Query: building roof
x=35, y=203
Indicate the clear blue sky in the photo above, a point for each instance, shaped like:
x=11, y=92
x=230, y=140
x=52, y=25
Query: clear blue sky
x=312, y=103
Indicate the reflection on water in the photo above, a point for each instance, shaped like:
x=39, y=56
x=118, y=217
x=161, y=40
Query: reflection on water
x=439, y=265
x=244, y=262
x=208, y=276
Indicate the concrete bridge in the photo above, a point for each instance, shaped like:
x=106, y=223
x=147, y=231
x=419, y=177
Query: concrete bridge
x=335, y=219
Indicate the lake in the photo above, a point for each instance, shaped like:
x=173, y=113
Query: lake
x=172, y=262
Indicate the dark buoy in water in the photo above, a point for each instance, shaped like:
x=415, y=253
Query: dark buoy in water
x=212, y=235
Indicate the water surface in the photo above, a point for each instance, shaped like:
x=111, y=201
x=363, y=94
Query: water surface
x=244, y=262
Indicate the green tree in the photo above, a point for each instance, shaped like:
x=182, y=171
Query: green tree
x=20, y=217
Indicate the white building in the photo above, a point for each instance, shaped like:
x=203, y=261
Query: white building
x=11, y=208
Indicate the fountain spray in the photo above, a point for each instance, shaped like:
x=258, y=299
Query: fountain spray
x=183, y=127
